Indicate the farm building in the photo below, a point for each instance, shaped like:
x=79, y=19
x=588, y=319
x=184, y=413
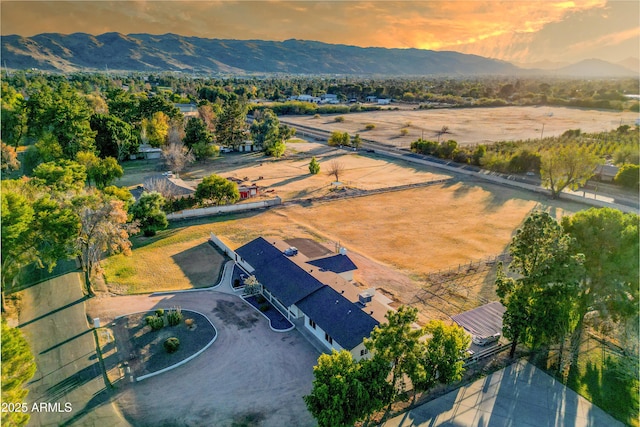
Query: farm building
x=247, y=192
x=606, y=173
x=249, y=147
x=314, y=294
x=482, y=323
x=147, y=152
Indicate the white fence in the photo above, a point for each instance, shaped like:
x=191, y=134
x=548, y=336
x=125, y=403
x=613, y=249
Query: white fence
x=215, y=210
x=230, y=253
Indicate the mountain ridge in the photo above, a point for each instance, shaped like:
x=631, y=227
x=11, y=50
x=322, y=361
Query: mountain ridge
x=173, y=52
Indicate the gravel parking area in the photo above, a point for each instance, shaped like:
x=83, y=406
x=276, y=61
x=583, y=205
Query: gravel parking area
x=249, y=376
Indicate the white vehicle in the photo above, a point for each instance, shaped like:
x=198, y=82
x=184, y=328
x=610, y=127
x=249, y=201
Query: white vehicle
x=225, y=150
x=482, y=341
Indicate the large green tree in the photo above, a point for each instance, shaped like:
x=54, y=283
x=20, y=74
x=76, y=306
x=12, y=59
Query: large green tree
x=65, y=114
x=37, y=227
x=345, y=391
x=148, y=211
x=265, y=131
x=440, y=357
x=397, y=342
x=196, y=132
x=18, y=367
x=114, y=137
x=566, y=167
x=61, y=176
x=609, y=241
x=546, y=271
x=231, y=123
x=217, y=190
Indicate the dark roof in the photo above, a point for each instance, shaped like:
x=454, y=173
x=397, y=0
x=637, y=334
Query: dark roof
x=275, y=271
x=343, y=320
x=338, y=263
x=483, y=321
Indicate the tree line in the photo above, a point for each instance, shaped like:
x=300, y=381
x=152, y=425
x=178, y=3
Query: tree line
x=565, y=161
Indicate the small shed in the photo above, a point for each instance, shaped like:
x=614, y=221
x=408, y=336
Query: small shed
x=246, y=192
x=484, y=321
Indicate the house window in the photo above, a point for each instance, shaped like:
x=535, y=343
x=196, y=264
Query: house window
x=363, y=352
x=312, y=323
x=328, y=338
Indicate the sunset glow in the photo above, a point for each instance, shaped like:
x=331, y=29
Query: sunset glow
x=524, y=31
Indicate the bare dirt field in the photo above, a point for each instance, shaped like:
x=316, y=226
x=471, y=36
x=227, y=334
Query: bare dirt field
x=469, y=126
x=289, y=177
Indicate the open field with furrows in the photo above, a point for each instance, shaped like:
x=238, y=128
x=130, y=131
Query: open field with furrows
x=468, y=126
x=396, y=239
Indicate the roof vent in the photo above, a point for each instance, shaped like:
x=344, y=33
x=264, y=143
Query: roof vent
x=343, y=251
x=337, y=301
x=366, y=296
x=291, y=251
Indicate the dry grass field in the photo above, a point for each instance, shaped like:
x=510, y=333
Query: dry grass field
x=289, y=177
x=469, y=125
x=396, y=238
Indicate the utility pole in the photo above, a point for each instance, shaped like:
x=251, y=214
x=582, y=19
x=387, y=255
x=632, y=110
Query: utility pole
x=542, y=131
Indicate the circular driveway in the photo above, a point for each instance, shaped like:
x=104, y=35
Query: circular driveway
x=250, y=375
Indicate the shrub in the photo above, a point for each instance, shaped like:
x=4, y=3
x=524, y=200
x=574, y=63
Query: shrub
x=264, y=307
x=314, y=166
x=159, y=312
x=628, y=176
x=155, y=322
x=316, y=116
x=339, y=119
x=171, y=344
x=261, y=299
x=404, y=132
x=174, y=316
x=370, y=126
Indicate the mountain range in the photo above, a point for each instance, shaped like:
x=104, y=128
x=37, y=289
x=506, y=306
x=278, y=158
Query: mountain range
x=170, y=52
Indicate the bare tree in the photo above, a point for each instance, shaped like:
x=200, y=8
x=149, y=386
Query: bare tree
x=176, y=156
x=104, y=228
x=443, y=131
x=336, y=168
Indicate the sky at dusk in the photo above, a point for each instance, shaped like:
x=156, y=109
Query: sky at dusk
x=515, y=31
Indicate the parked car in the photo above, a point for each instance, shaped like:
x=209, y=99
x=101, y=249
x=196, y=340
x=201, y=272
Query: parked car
x=482, y=341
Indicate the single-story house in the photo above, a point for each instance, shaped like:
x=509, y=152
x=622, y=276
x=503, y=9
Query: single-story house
x=306, y=98
x=384, y=101
x=147, y=152
x=314, y=294
x=372, y=98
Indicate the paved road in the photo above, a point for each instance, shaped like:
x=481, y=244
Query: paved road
x=53, y=320
x=519, y=395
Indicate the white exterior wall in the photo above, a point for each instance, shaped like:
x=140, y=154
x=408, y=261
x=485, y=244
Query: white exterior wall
x=355, y=352
x=319, y=333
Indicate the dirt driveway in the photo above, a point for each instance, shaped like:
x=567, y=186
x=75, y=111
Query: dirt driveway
x=249, y=376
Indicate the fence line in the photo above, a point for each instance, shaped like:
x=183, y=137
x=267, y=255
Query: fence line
x=468, y=267
x=215, y=210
